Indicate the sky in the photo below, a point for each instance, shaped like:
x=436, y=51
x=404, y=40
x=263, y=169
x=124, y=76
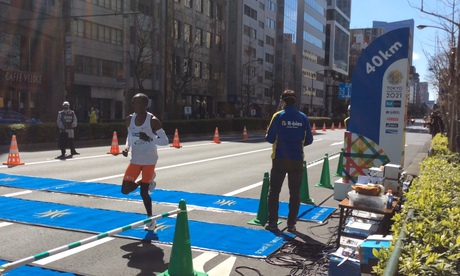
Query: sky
x=364, y=12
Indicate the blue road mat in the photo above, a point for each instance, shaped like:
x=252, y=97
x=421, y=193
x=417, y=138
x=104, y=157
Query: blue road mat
x=34, y=270
x=228, y=203
x=212, y=236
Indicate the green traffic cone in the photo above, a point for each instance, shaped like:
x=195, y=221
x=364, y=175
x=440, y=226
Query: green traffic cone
x=304, y=193
x=262, y=213
x=340, y=165
x=325, y=180
x=180, y=263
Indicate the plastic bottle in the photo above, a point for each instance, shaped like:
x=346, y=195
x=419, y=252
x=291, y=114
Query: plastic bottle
x=390, y=199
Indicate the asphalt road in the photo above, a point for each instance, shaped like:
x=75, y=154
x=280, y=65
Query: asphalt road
x=234, y=167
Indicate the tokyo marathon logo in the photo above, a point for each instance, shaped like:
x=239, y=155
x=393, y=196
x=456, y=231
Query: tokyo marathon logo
x=395, y=77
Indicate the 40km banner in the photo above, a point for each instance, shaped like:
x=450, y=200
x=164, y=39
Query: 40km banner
x=380, y=92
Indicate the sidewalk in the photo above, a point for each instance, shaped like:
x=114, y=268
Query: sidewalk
x=414, y=167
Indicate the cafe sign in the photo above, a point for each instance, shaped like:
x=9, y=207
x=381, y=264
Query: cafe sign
x=21, y=77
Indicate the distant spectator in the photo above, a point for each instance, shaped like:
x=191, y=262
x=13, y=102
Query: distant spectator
x=92, y=116
x=436, y=124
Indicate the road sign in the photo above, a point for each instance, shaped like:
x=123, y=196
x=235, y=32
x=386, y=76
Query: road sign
x=344, y=90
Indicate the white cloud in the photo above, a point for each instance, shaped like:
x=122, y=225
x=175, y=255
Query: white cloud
x=415, y=56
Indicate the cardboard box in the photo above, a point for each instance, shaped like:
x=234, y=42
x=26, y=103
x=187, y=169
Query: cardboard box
x=367, y=258
x=341, y=189
x=347, y=268
x=366, y=179
x=392, y=171
x=376, y=172
x=394, y=185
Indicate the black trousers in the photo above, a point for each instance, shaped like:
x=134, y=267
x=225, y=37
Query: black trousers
x=281, y=167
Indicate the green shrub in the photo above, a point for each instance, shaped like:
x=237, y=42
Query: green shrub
x=48, y=132
x=432, y=244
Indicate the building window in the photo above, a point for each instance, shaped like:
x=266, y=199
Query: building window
x=250, y=12
x=185, y=68
x=207, y=71
x=187, y=32
x=197, y=70
x=270, y=23
x=269, y=40
x=176, y=29
x=248, y=31
x=199, y=5
x=199, y=37
x=209, y=5
x=218, y=42
x=188, y=3
x=270, y=5
x=208, y=40
x=269, y=58
x=251, y=52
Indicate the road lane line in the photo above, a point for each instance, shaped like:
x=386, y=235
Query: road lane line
x=185, y=164
x=18, y=193
x=255, y=185
x=72, y=251
x=4, y=224
x=244, y=189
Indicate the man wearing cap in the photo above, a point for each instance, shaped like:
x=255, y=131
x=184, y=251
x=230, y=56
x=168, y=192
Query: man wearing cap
x=289, y=131
x=66, y=122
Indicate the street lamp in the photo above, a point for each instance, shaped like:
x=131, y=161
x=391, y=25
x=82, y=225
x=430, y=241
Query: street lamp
x=248, y=84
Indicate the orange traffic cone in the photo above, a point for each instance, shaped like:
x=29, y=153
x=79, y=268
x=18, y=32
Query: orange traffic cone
x=216, y=136
x=114, y=149
x=313, y=129
x=340, y=126
x=245, y=134
x=332, y=127
x=13, y=156
x=324, y=127
x=176, y=142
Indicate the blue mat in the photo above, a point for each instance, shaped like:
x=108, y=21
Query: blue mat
x=236, y=204
x=257, y=243
x=33, y=270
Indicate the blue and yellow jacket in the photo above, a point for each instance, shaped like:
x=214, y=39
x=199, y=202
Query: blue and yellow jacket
x=289, y=131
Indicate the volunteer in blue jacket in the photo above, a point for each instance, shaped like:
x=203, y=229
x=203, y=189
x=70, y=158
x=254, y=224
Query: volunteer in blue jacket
x=289, y=131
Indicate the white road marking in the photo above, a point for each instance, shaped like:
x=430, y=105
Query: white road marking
x=185, y=164
x=18, y=193
x=4, y=224
x=244, y=189
x=72, y=251
x=337, y=143
x=255, y=185
x=224, y=268
x=200, y=261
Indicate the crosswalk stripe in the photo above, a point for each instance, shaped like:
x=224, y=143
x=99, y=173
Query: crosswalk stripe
x=200, y=261
x=224, y=268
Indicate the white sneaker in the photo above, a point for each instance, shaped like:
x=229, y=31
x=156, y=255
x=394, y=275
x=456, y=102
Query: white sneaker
x=150, y=226
x=153, y=184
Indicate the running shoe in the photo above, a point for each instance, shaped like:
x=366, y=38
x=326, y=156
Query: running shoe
x=150, y=226
x=153, y=184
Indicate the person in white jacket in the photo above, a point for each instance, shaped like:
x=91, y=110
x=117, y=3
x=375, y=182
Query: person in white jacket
x=144, y=134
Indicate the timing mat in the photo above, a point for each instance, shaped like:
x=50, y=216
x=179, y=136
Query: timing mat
x=307, y=212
